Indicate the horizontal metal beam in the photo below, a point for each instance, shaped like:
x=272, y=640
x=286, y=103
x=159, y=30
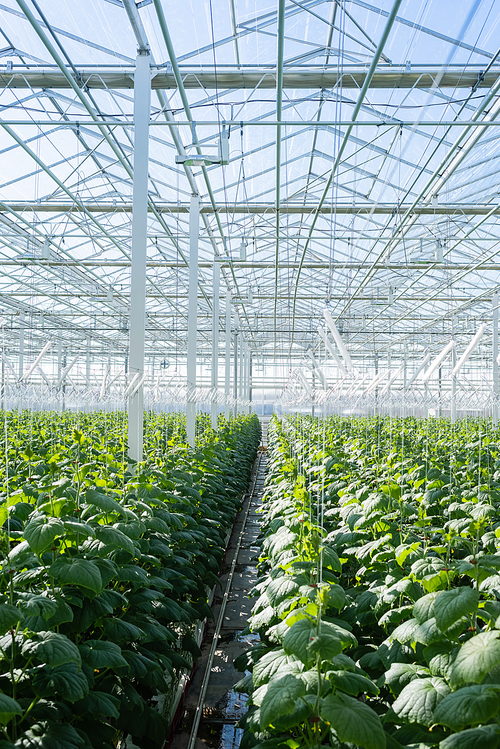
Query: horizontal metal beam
x=310, y=124
x=263, y=77
x=325, y=265
x=445, y=209
x=236, y=300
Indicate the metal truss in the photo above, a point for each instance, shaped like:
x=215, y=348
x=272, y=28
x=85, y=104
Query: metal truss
x=355, y=181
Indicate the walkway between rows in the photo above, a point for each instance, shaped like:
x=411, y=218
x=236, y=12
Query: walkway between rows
x=212, y=707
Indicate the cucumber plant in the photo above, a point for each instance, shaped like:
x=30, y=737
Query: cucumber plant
x=105, y=573
x=378, y=604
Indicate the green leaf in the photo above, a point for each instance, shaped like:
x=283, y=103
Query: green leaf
x=452, y=605
x=486, y=737
x=99, y=703
x=403, y=552
x=38, y=606
x=113, y=537
x=401, y=674
x=79, y=572
x=353, y=721
x=9, y=617
x=423, y=609
x=346, y=638
x=122, y=631
x=42, y=531
x=330, y=559
x=102, y=654
x=8, y=708
x=440, y=656
x=468, y=706
x=336, y=596
x=297, y=640
x=281, y=588
x=50, y=736
x=66, y=681
x=104, y=503
x=476, y=658
x=270, y=664
x=52, y=649
x=419, y=699
x=325, y=645
x=262, y=619
x=280, y=699
x=352, y=683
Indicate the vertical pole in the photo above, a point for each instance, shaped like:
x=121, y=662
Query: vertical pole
x=87, y=364
x=215, y=342
x=247, y=359
x=250, y=373
x=405, y=376
x=496, y=381
x=235, y=383
x=313, y=393
x=137, y=325
x=63, y=390
x=453, y=387
x=58, y=371
x=21, y=344
x=194, y=231
x=241, y=383
x=227, y=373
x=440, y=413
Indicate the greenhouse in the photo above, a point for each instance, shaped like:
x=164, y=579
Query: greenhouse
x=249, y=384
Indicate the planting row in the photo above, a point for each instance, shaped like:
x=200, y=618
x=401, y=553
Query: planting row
x=105, y=571
x=378, y=603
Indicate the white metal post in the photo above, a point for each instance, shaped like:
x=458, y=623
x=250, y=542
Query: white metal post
x=245, y=375
x=227, y=373
x=235, y=382
x=250, y=375
x=405, y=378
x=137, y=324
x=241, y=383
x=215, y=342
x=453, y=413
x=495, y=356
x=87, y=364
x=194, y=231
x=21, y=344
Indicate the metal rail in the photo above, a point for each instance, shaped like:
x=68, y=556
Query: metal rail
x=220, y=620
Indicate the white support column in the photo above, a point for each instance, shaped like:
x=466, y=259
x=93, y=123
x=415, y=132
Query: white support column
x=250, y=373
x=241, y=382
x=405, y=378
x=194, y=231
x=245, y=374
x=453, y=413
x=87, y=363
x=59, y=358
x=227, y=373
x=496, y=382
x=137, y=324
x=215, y=341
x=235, y=381
x=21, y=344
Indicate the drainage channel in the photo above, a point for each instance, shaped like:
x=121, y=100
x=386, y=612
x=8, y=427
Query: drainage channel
x=212, y=707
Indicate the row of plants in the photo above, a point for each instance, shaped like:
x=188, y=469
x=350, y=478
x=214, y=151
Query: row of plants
x=105, y=570
x=378, y=602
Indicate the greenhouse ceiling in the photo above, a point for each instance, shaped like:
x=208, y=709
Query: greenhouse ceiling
x=363, y=172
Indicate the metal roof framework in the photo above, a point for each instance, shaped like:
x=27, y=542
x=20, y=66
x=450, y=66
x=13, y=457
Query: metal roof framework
x=363, y=173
